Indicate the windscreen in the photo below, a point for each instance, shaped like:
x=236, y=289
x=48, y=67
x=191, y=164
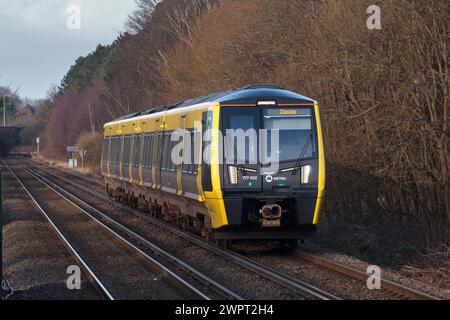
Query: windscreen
x=293, y=129
x=295, y=133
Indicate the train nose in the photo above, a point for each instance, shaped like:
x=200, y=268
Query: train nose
x=271, y=212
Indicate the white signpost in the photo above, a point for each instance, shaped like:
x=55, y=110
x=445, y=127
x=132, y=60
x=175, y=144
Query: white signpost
x=38, y=141
x=82, y=155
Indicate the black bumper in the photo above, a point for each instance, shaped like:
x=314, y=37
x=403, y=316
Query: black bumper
x=301, y=209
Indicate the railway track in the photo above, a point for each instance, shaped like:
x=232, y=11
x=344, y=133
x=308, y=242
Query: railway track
x=396, y=290
x=138, y=270
x=87, y=271
x=299, y=287
x=391, y=289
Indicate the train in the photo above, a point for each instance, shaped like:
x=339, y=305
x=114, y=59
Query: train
x=243, y=164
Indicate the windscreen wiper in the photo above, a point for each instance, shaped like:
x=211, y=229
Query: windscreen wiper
x=302, y=154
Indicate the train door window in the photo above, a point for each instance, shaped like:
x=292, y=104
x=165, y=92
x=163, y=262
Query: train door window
x=105, y=149
x=170, y=164
x=163, y=154
x=129, y=158
x=191, y=167
x=151, y=139
x=133, y=148
x=122, y=149
x=157, y=150
x=146, y=151
x=152, y=153
x=196, y=141
x=112, y=153
x=160, y=149
x=168, y=152
x=141, y=157
x=136, y=150
x=129, y=153
x=126, y=154
x=111, y=150
x=149, y=153
x=173, y=144
x=108, y=149
x=186, y=166
x=118, y=149
x=165, y=151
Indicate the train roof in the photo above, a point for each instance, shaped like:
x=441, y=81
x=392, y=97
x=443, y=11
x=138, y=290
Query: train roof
x=246, y=95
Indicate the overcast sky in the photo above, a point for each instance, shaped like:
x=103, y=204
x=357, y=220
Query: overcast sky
x=36, y=46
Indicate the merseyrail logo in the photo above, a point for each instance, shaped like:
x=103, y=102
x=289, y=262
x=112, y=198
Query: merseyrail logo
x=290, y=112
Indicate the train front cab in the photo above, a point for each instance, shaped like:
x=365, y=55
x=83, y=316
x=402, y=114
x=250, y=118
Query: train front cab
x=254, y=202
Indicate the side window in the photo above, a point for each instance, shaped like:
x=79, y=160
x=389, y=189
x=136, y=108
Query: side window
x=122, y=149
x=185, y=166
x=108, y=150
x=150, y=150
x=126, y=154
x=206, y=166
x=162, y=147
x=157, y=150
x=113, y=150
x=146, y=152
x=173, y=144
x=191, y=167
x=194, y=152
x=105, y=149
x=137, y=150
x=166, y=149
x=117, y=150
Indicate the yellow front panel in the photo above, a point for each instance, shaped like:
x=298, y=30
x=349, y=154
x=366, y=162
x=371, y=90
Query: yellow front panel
x=321, y=183
x=214, y=199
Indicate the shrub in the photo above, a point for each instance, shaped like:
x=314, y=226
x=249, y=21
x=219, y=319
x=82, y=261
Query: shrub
x=92, y=143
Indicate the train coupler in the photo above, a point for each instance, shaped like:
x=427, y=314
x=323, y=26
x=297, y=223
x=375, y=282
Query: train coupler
x=271, y=216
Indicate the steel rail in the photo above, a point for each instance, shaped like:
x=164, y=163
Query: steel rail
x=222, y=290
x=90, y=179
x=288, y=282
x=94, y=279
x=359, y=275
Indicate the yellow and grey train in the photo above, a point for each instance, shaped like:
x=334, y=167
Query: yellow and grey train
x=222, y=200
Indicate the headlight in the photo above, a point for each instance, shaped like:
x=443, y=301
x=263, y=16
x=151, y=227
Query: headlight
x=233, y=175
x=306, y=175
